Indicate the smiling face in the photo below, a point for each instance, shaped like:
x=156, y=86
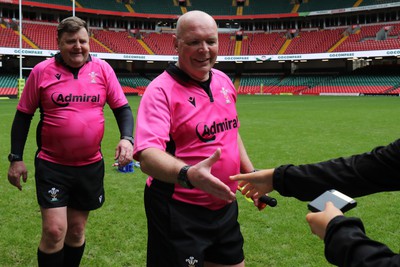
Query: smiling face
x=74, y=47
x=197, y=44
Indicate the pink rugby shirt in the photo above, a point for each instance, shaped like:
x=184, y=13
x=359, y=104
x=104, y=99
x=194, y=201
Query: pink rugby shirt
x=71, y=108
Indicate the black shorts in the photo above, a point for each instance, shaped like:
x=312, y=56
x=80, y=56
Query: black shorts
x=80, y=187
x=181, y=234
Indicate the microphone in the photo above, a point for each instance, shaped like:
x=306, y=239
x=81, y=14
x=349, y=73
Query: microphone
x=270, y=201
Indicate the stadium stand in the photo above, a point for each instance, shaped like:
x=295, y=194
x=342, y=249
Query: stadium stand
x=119, y=41
x=213, y=7
x=269, y=7
x=10, y=38
x=268, y=36
x=314, y=41
x=371, y=37
x=159, y=43
x=103, y=5
x=41, y=34
x=262, y=43
x=8, y=85
x=325, y=5
x=155, y=7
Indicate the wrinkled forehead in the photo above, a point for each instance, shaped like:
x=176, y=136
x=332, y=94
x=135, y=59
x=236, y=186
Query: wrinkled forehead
x=195, y=22
x=81, y=34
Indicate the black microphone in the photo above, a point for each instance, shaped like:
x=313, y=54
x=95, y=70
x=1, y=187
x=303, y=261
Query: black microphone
x=270, y=201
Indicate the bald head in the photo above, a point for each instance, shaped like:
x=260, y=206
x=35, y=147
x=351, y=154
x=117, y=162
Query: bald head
x=194, y=17
x=196, y=42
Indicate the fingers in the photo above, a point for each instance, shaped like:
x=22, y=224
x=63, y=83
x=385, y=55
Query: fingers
x=124, y=153
x=214, y=157
x=15, y=172
x=241, y=177
x=24, y=177
x=15, y=181
x=319, y=221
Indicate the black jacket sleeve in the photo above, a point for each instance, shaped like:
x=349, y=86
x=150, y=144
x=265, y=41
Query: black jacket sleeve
x=19, y=132
x=125, y=121
x=347, y=245
x=358, y=175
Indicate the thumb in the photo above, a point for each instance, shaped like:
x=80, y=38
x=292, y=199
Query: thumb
x=214, y=157
x=329, y=205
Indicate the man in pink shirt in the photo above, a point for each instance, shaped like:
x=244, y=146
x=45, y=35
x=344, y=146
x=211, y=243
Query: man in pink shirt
x=70, y=90
x=187, y=141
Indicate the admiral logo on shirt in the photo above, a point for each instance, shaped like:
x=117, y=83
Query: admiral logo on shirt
x=63, y=100
x=207, y=133
x=192, y=101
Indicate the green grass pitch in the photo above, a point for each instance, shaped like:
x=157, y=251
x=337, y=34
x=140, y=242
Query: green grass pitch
x=275, y=129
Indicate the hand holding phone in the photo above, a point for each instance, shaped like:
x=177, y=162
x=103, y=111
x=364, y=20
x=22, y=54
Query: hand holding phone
x=339, y=200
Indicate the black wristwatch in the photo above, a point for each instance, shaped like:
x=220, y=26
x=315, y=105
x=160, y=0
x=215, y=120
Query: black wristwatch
x=14, y=157
x=129, y=138
x=183, y=178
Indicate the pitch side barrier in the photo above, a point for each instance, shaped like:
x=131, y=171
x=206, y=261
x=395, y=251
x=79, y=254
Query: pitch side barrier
x=371, y=94
x=229, y=58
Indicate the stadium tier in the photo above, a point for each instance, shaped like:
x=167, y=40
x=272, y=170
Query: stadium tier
x=8, y=85
x=299, y=34
x=360, y=38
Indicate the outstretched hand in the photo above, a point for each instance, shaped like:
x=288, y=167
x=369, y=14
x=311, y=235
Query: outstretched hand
x=255, y=184
x=200, y=176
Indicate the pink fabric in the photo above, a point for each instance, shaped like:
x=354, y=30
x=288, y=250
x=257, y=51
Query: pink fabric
x=72, y=109
x=197, y=125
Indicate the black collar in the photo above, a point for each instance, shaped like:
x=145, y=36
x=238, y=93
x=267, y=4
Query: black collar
x=181, y=76
x=60, y=60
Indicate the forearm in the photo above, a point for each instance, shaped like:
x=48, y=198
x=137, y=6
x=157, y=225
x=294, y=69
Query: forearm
x=358, y=175
x=347, y=245
x=160, y=165
x=19, y=132
x=125, y=120
x=246, y=165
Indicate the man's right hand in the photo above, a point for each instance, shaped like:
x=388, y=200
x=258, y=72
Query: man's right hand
x=16, y=170
x=200, y=176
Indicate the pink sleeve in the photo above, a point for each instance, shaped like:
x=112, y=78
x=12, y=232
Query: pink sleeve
x=153, y=121
x=30, y=97
x=115, y=94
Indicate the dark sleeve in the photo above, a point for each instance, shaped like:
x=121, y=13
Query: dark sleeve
x=347, y=245
x=358, y=175
x=125, y=121
x=19, y=132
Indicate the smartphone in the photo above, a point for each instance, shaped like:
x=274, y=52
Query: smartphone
x=339, y=200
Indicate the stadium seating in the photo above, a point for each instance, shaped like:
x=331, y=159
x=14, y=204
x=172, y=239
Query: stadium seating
x=325, y=5
x=160, y=43
x=119, y=41
x=314, y=41
x=379, y=36
x=155, y=7
x=226, y=44
x=376, y=2
x=55, y=2
x=41, y=34
x=133, y=84
x=213, y=7
x=366, y=39
x=10, y=38
x=103, y=5
x=267, y=7
x=262, y=43
x=8, y=85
